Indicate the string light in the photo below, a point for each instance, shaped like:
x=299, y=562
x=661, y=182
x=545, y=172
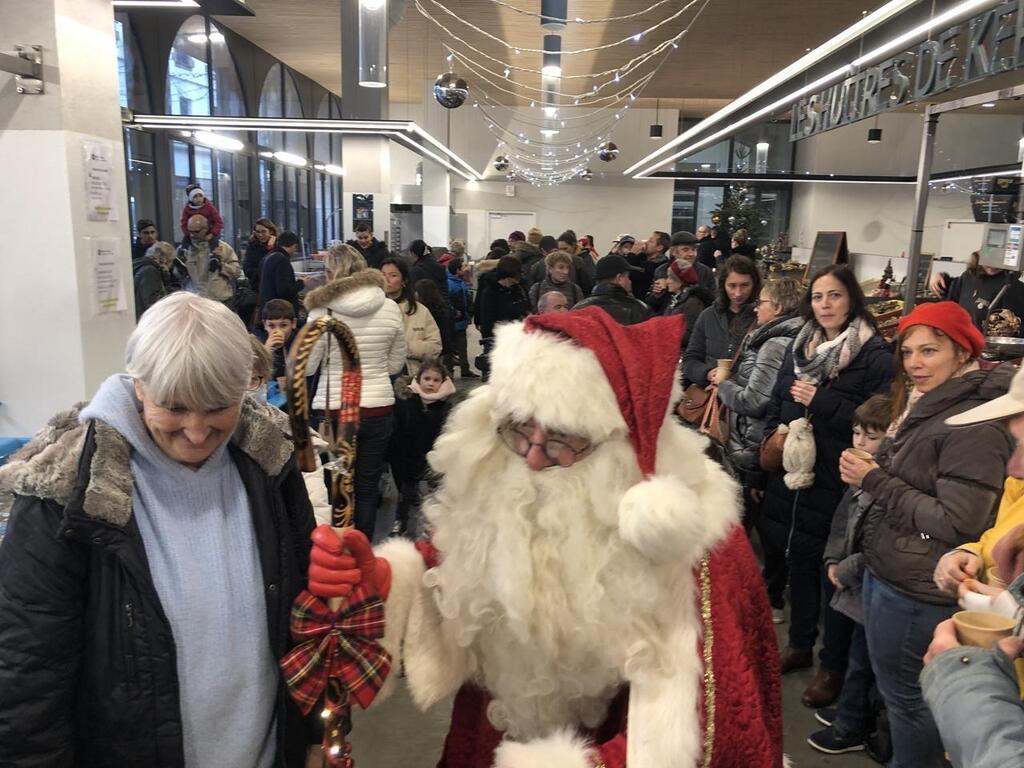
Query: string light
x=580, y=20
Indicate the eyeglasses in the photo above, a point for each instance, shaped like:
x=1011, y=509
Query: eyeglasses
x=561, y=450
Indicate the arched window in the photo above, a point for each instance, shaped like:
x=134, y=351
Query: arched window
x=285, y=188
x=131, y=76
x=327, y=186
x=201, y=74
x=133, y=90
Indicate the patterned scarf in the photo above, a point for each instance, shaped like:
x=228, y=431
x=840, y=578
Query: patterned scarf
x=818, y=360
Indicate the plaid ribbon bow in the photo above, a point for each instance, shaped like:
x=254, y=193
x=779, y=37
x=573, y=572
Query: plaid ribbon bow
x=338, y=647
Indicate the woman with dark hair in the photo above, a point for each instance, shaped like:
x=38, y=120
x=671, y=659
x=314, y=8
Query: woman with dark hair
x=836, y=362
x=721, y=327
x=501, y=244
x=422, y=336
x=427, y=294
x=936, y=485
x=262, y=242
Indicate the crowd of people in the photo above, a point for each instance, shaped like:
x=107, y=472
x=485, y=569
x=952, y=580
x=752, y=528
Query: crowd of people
x=872, y=470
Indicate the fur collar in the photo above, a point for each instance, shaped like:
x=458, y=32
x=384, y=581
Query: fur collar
x=47, y=467
x=325, y=294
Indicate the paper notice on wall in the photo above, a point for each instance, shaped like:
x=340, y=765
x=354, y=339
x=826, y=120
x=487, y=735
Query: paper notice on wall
x=1011, y=256
x=100, y=169
x=108, y=287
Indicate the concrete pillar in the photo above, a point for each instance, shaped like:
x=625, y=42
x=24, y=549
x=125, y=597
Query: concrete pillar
x=367, y=161
x=437, y=187
x=57, y=342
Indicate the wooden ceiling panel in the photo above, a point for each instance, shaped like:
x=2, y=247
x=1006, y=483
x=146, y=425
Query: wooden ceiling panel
x=733, y=45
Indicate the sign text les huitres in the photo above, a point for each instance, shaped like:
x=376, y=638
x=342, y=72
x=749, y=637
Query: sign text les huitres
x=988, y=44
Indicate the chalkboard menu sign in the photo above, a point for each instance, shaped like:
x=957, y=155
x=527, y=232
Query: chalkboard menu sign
x=829, y=248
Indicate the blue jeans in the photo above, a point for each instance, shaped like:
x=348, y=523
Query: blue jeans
x=899, y=630
x=852, y=708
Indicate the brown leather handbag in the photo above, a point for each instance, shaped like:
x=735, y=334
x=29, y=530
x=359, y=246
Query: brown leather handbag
x=691, y=407
x=771, y=451
x=715, y=421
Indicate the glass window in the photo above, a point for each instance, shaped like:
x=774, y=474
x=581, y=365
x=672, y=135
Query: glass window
x=278, y=212
x=131, y=77
x=291, y=197
x=227, y=91
x=303, y=221
x=204, y=171
x=243, y=199
x=225, y=195
x=265, y=190
x=779, y=154
x=141, y=177
x=180, y=162
x=270, y=106
x=188, y=76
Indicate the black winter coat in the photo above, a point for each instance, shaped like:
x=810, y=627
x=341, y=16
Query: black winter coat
x=706, y=252
x=975, y=291
x=417, y=426
x=689, y=302
x=617, y=302
x=151, y=284
x=374, y=253
x=277, y=280
x=427, y=268
x=831, y=414
x=88, y=672
x=499, y=304
x=716, y=335
x=252, y=262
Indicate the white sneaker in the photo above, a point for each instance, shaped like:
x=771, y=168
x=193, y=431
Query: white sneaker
x=778, y=616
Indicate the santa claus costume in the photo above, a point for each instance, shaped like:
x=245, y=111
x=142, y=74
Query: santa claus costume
x=607, y=613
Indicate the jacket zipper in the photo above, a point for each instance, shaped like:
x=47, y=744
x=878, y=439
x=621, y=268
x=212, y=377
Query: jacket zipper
x=129, y=642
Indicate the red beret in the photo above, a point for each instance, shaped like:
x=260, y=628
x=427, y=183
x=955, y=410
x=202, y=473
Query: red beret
x=950, y=318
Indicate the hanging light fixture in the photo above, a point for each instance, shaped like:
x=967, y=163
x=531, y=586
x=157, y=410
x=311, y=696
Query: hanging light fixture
x=554, y=14
x=875, y=134
x=373, y=43
x=656, y=129
x=552, y=56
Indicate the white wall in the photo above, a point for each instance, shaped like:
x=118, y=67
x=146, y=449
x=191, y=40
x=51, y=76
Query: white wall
x=604, y=208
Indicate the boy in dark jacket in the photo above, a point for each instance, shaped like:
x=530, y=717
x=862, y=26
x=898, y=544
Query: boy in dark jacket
x=420, y=414
x=850, y=721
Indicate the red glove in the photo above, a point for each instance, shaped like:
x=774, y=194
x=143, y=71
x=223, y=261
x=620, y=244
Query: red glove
x=338, y=566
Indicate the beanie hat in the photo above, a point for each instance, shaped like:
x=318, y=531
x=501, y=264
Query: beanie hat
x=192, y=190
x=950, y=318
x=533, y=235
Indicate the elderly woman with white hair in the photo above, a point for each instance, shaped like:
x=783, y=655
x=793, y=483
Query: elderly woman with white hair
x=157, y=539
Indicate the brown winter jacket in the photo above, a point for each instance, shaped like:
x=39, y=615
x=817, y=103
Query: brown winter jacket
x=936, y=486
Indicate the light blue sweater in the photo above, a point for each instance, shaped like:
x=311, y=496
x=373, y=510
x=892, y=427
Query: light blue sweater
x=197, y=530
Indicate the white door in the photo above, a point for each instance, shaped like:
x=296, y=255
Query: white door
x=501, y=224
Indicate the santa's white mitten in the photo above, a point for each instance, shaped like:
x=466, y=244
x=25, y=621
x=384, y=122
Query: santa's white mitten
x=562, y=749
x=798, y=455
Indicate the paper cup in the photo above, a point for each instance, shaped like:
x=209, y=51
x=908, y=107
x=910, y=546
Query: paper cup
x=724, y=368
x=982, y=629
x=860, y=454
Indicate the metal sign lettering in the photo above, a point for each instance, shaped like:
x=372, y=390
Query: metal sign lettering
x=988, y=44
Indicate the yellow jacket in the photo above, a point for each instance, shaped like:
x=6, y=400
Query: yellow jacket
x=1011, y=514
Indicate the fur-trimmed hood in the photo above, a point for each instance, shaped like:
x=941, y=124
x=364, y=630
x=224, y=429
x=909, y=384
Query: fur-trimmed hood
x=48, y=466
x=345, y=287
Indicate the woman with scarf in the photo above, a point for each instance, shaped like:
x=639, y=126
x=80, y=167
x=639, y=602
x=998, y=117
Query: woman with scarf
x=837, y=361
x=749, y=391
x=935, y=487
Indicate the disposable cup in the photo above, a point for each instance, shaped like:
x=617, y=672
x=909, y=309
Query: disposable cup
x=982, y=629
x=724, y=368
x=860, y=454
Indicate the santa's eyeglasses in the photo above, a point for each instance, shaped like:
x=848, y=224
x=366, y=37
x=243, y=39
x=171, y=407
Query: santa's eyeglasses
x=560, y=449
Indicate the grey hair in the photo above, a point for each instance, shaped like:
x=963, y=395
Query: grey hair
x=785, y=292
x=190, y=352
x=161, y=252
x=458, y=247
x=343, y=260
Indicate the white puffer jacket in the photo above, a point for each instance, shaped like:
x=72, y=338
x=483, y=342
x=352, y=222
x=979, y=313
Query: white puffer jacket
x=376, y=323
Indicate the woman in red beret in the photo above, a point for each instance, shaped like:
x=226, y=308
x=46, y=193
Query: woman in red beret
x=936, y=487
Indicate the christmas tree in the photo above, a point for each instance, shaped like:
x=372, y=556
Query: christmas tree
x=740, y=209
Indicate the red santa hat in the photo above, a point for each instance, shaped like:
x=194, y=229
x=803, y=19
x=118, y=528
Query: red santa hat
x=640, y=362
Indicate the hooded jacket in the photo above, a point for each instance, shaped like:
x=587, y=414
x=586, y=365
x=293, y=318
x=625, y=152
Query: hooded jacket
x=749, y=391
x=376, y=323
x=936, y=486
x=89, y=674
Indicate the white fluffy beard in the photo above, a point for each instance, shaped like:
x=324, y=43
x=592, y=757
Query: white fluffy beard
x=536, y=582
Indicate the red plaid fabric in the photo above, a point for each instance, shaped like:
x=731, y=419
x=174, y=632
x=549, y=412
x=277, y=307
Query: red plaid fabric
x=337, y=647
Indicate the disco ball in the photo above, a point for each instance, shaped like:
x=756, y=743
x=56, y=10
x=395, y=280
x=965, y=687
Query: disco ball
x=608, y=151
x=450, y=90
x=501, y=163
x=587, y=175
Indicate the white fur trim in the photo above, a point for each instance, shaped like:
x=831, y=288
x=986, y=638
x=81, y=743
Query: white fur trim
x=407, y=569
x=798, y=455
x=786, y=762
x=560, y=750
x=553, y=380
x=686, y=509
x=664, y=704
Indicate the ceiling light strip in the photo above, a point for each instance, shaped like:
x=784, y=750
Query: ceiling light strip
x=801, y=65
